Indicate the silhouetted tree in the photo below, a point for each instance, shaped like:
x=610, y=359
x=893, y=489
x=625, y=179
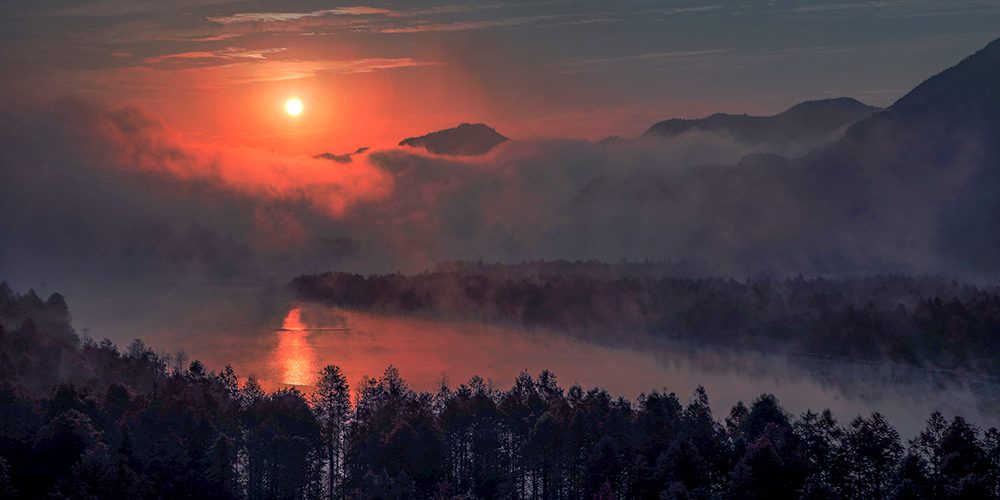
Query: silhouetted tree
x=760, y=474
x=873, y=452
x=56, y=448
x=331, y=400
x=912, y=481
x=822, y=441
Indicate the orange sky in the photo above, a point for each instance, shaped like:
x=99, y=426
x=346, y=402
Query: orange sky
x=371, y=75
x=244, y=104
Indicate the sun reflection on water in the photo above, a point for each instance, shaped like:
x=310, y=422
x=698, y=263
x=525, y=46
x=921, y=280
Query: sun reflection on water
x=294, y=355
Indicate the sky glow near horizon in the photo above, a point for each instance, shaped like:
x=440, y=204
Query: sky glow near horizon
x=374, y=73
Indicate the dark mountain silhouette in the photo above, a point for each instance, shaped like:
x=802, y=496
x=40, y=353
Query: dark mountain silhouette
x=805, y=122
x=936, y=150
x=912, y=188
x=344, y=158
x=467, y=139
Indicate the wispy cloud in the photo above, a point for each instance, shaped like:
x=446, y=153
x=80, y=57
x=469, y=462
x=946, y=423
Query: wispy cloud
x=540, y=21
x=275, y=17
x=239, y=71
x=215, y=38
x=271, y=71
x=654, y=55
x=900, y=8
x=226, y=54
x=599, y=64
x=369, y=20
x=114, y=8
x=681, y=10
x=369, y=65
x=421, y=27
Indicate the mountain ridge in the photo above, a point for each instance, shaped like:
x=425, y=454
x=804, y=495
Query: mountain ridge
x=806, y=121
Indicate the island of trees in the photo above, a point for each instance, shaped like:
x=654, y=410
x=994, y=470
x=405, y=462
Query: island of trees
x=83, y=420
x=924, y=321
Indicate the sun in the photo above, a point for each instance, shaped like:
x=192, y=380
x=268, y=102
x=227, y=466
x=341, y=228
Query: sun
x=293, y=107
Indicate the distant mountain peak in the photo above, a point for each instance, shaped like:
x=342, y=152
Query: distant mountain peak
x=841, y=102
x=974, y=81
x=467, y=139
x=805, y=122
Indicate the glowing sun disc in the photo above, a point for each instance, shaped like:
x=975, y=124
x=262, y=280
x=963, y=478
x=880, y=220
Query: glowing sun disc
x=293, y=107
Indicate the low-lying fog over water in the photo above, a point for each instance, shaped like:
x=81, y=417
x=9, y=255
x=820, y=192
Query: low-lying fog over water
x=260, y=333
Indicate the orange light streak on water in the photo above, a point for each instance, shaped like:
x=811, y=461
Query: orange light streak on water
x=294, y=355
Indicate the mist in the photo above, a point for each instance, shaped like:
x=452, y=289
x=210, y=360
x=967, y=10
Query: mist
x=424, y=349
x=114, y=192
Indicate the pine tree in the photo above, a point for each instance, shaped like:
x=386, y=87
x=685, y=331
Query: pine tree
x=332, y=404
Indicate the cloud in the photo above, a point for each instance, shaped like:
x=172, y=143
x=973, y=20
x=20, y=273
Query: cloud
x=209, y=70
x=608, y=62
x=275, y=17
x=899, y=8
x=227, y=54
x=523, y=202
x=369, y=65
x=680, y=10
x=540, y=21
x=70, y=163
x=213, y=38
x=114, y=8
x=111, y=192
x=422, y=20
x=735, y=209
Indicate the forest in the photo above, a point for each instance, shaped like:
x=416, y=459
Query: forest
x=83, y=420
x=923, y=321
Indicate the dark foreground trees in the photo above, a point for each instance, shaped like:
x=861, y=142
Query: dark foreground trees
x=196, y=435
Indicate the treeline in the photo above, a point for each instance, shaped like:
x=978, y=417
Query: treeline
x=922, y=321
x=200, y=435
x=623, y=269
x=39, y=349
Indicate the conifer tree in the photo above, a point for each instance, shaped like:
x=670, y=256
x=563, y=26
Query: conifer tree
x=332, y=404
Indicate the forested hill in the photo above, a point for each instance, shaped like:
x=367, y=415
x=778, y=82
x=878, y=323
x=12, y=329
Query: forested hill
x=922, y=321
